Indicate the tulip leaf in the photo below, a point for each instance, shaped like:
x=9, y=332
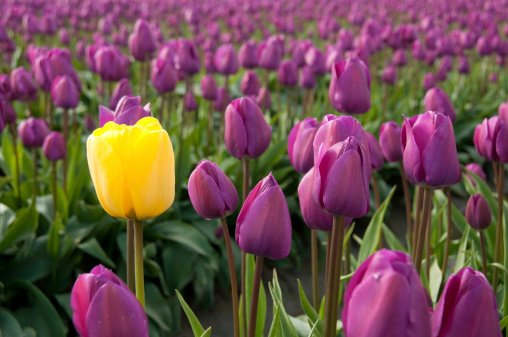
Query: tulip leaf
x=435, y=279
x=461, y=255
x=505, y=234
x=286, y=326
x=93, y=248
x=249, y=277
x=373, y=233
x=207, y=332
x=301, y=326
x=392, y=240
x=22, y=228
x=177, y=274
x=314, y=331
x=157, y=307
x=274, y=329
x=9, y=326
x=503, y=323
x=306, y=306
x=197, y=328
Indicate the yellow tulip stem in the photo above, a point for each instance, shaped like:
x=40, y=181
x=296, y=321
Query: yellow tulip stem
x=130, y=255
x=138, y=251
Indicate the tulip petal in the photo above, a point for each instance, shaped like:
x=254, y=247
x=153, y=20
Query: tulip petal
x=201, y=187
x=105, y=115
x=258, y=131
x=235, y=136
x=412, y=159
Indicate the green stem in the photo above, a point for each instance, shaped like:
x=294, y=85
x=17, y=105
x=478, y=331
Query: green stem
x=246, y=169
x=315, y=280
x=499, y=229
x=416, y=232
x=407, y=199
x=34, y=153
x=338, y=270
x=484, y=256
x=449, y=229
x=427, y=208
x=139, y=275
x=232, y=274
x=16, y=158
x=53, y=166
x=255, y=296
x=130, y=255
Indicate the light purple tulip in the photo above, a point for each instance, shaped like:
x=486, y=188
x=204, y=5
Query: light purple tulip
x=128, y=111
x=437, y=100
x=300, y=144
x=389, y=140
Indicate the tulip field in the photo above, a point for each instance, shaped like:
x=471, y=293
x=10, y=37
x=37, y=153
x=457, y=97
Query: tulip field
x=156, y=155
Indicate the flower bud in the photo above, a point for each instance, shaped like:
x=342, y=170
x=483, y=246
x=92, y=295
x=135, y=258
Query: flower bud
x=141, y=41
x=429, y=81
x=110, y=64
x=189, y=102
x=128, y=111
x=54, y=147
x=222, y=101
x=247, y=133
x=300, y=144
x=288, y=73
x=247, y=55
x=264, y=99
x=89, y=123
x=8, y=112
x=478, y=214
x=225, y=60
x=163, y=76
x=389, y=140
x=316, y=60
x=122, y=88
x=186, y=57
x=250, y=84
x=491, y=139
x=269, y=54
x=376, y=155
x=64, y=93
x=209, y=88
x=389, y=75
x=463, y=67
x=263, y=227
x=437, y=100
x=22, y=84
x=32, y=132
x=211, y=192
x=307, y=78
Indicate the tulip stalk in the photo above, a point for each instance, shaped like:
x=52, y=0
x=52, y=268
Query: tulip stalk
x=246, y=169
x=210, y=127
x=484, y=255
x=130, y=255
x=314, y=254
x=34, y=154
x=449, y=229
x=232, y=274
x=255, y=296
x=407, y=199
x=416, y=232
x=53, y=167
x=138, y=251
x=427, y=208
x=16, y=158
x=499, y=229
x=66, y=138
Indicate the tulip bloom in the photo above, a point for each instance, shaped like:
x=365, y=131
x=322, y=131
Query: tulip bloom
x=300, y=144
x=437, y=100
x=476, y=169
x=288, y=73
x=264, y=99
x=186, y=57
x=23, y=85
x=250, y=84
x=467, y=307
x=349, y=90
x=54, y=147
x=32, y=132
x=64, y=93
x=376, y=155
x=385, y=297
x=104, y=306
x=211, y=192
x=389, y=140
x=122, y=88
x=225, y=60
x=491, y=139
x=430, y=153
x=342, y=175
x=128, y=111
x=478, y=213
x=247, y=133
x=263, y=227
x=209, y=88
x=132, y=168
x=141, y=41
x=247, y=55
x=269, y=54
x=307, y=78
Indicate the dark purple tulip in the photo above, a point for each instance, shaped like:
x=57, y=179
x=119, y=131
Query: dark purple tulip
x=8, y=113
x=264, y=99
x=32, y=132
x=163, y=76
x=247, y=55
x=209, y=88
x=376, y=155
x=491, y=139
x=41, y=73
x=105, y=25
x=225, y=60
x=5, y=88
x=122, y=88
x=211, y=192
x=64, y=37
x=142, y=42
x=186, y=57
x=345, y=39
x=430, y=152
x=333, y=57
x=478, y=213
x=446, y=63
x=103, y=305
x=263, y=227
x=269, y=54
x=467, y=307
x=89, y=57
x=476, y=169
x=22, y=84
x=31, y=24
x=437, y=100
x=209, y=63
x=64, y=93
x=307, y=78
x=128, y=111
x=389, y=140
x=349, y=90
x=385, y=297
x=250, y=84
x=287, y=73
x=300, y=144
x=340, y=168
x=247, y=133
x=110, y=64
x=502, y=111
x=89, y=123
x=222, y=101
x=316, y=59
x=399, y=58
x=189, y=102
x=54, y=147
x=389, y=75
x=80, y=50
x=483, y=46
x=463, y=67
x=298, y=54
x=429, y=81
x=418, y=51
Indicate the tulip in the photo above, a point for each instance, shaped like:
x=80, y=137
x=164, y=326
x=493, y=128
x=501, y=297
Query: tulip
x=247, y=55
x=264, y=99
x=342, y=175
x=23, y=85
x=429, y=81
x=389, y=140
x=456, y=316
x=209, y=88
x=89, y=123
x=8, y=113
x=463, y=67
x=54, y=147
x=110, y=64
x=122, y=88
x=246, y=133
x=429, y=150
x=128, y=111
x=132, y=167
x=64, y=93
x=437, y=100
x=5, y=88
x=399, y=58
x=209, y=63
x=189, y=102
x=59, y=63
x=288, y=73
x=103, y=305
x=211, y=192
x=385, y=297
x=223, y=99
x=269, y=54
x=307, y=78
x=250, y=84
x=300, y=144
x=349, y=90
x=263, y=227
x=32, y=132
x=64, y=37
x=225, y=60
x=315, y=59
x=491, y=139
x=186, y=57
x=478, y=214
x=376, y=154
x=163, y=76
x=476, y=169
x=141, y=41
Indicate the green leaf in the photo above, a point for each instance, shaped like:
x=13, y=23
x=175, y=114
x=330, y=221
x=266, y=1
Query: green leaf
x=373, y=233
x=176, y=273
x=207, y=332
x=306, y=306
x=301, y=327
x=461, y=255
x=503, y=323
x=9, y=326
x=197, y=328
x=435, y=279
x=249, y=277
x=392, y=240
x=54, y=238
x=157, y=307
x=93, y=248
x=22, y=228
x=275, y=328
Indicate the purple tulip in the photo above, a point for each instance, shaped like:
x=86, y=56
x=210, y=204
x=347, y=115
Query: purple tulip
x=225, y=60
x=246, y=133
x=31, y=24
x=376, y=154
x=463, y=67
x=6, y=92
x=263, y=227
x=54, y=147
x=8, y=113
x=22, y=84
x=316, y=59
x=223, y=99
x=64, y=93
x=502, y=111
x=430, y=153
x=385, y=297
x=437, y=100
x=307, y=78
x=103, y=305
x=142, y=42
x=163, y=76
x=389, y=75
x=478, y=213
x=264, y=99
x=476, y=169
x=208, y=63
x=288, y=73
x=269, y=54
x=491, y=139
x=110, y=64
x=399, y=58
x=349, y=90
x=209, y=88
x=250, y=84
x=211, y=192
x=389, y=140
x=122, y=88
x=429, y=81
x=32, y=132
x=89, y=123
x=247, y=55
x=128, y=111
x=300, y=144
x=189, y=102
x=467, y=307
x=64, y=37
x=186, y=57
x=298, y=54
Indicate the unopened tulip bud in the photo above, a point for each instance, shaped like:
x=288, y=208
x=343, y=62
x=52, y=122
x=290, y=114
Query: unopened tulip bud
x=128, y=111
x=437, y=100
x=250, y=84
x=209, y=88
x=54, y=147
x=300, y=144
x=264, y=99
x=64, y=93
x=389, y=140
x=122, y=88
x=225, y=60
x=376, y=155
x=32, y=132
x=288, y=73
x=478, y=213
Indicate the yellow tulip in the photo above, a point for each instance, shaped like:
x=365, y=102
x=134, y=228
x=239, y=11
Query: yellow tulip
x=132, y=169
